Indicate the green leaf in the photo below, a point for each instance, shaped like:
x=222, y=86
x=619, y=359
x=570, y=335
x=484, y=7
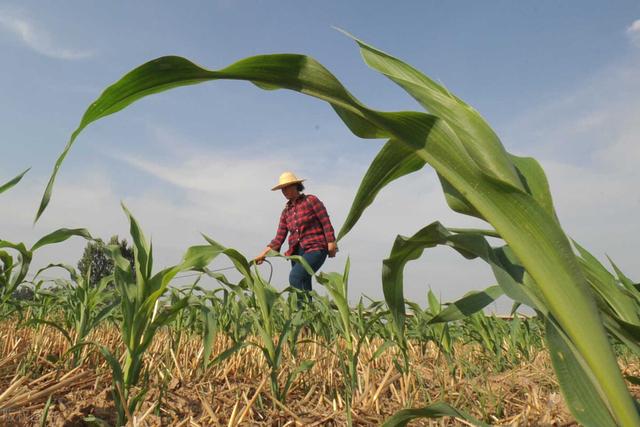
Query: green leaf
x=493, y=187
x=469, y=243
x=228, y=353
x=626, y=282
x=577, y=384
x=471, y=303
x=45, y=412
x=479, y=139
x=624, y=304
x=436, y=410
x=535, y=181
x=394, y=161
x=61, y=235
x=238, y=260
x=209, y=333
x=7, y=185
x=197, y=258
x=141, y=248
x=56, y=326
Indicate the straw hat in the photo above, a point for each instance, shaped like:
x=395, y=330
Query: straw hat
x=287, y=178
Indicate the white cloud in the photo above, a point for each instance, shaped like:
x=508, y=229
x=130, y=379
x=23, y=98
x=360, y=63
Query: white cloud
x=633, y=31
x=37, y=38
x=228, y=198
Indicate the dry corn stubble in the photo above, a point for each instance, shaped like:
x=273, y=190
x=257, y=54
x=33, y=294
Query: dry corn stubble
x=525, y=395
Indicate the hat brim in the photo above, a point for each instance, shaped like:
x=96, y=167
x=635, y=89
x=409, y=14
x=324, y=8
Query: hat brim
x=286, y=184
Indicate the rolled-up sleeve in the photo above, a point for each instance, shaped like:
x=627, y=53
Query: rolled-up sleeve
x=323, y=217
x=281, y=234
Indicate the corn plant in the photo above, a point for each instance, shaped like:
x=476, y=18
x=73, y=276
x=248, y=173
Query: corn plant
x=15, y=267
x=441, y=332
x=350, y=323
x=265, y=299
x=83, y=305
x=524, y=337
x=140, y=292
x=478, y=176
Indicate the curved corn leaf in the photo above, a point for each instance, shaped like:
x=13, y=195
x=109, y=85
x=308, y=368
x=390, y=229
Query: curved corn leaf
x=224, y=355
x=72, y=271
x=238, y=260
x=61, y=235
x=477, y=136
x=459, y=146
x=468, y=243
x=437, y=410
x=54, y=325
x=7, y=185
x=198, y=257
x=405, y=250
x=394, y=161
x=469, y=304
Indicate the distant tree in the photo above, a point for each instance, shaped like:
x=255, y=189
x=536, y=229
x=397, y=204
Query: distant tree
x=23, y=293
x=97, y=256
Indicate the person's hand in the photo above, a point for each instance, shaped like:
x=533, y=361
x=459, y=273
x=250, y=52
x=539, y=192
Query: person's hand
x=260, y=258
x=332, y=248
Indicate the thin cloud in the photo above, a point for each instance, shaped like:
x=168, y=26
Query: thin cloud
x=37, y=38
x=227, y=197
x=633, y=31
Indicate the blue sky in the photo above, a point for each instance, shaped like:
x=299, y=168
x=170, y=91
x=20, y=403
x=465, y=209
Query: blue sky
x=557, y=80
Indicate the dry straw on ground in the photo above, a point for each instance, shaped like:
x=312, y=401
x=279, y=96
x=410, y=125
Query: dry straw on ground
x=236, y=392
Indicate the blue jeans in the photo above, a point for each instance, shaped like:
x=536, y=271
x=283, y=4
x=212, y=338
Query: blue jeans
x=299, y=278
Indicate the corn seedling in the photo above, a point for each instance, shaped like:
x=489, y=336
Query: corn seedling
x=84, y=306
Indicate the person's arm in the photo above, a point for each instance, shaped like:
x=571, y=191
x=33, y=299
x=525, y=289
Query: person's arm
x=325, y=222
x=277, y=242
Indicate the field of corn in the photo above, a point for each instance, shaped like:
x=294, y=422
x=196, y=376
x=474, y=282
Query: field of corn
x=135, y=349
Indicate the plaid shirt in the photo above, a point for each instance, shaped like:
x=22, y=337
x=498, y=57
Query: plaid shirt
x=307, y=222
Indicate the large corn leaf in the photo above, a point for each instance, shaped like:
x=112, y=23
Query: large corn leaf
x=526, y=220
x=457, y=143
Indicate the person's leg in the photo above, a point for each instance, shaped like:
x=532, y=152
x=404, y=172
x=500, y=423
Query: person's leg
x=315, y=260
x=298, y=274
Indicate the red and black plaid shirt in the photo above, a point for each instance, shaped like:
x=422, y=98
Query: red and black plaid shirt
x=307, y=222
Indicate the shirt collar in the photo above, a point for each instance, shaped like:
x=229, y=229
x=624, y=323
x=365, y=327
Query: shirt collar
x=291, y=202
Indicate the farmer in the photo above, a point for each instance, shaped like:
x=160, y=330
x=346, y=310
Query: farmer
x=305, y=219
